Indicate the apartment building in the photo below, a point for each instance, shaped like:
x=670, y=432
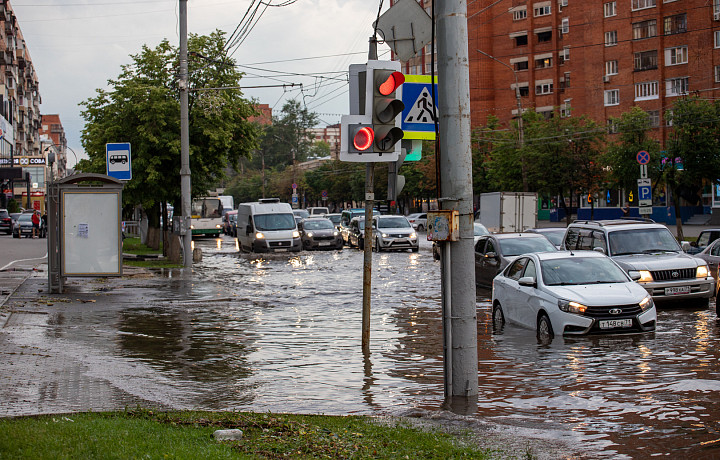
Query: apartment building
x=331, y=135
x=53, y=140
x=593, y=57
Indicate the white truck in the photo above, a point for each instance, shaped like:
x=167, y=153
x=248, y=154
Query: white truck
x=267, y=226
x=503, y=212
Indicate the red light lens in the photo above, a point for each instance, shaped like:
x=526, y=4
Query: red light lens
x=364, y=138
x=391, y=84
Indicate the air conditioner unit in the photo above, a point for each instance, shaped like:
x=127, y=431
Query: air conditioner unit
x=606, y=78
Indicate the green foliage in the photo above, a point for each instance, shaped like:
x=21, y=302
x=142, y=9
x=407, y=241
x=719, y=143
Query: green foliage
x=288, y=135
x=144, y=433
x=142, y=107
x=13, y=205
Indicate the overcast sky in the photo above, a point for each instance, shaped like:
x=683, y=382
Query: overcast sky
x=77, y=45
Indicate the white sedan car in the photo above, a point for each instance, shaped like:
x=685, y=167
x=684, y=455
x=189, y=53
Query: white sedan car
x=570, y=293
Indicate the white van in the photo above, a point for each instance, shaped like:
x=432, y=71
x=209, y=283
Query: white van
x=318, y=210
x=267, y=226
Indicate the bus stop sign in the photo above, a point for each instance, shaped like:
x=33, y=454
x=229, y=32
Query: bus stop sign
x=117, y=161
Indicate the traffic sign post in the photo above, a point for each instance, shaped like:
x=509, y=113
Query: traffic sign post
x=418, y=116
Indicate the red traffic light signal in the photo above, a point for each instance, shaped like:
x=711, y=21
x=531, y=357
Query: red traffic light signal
x=362, y=137
x=385, y=107
x=387, y=82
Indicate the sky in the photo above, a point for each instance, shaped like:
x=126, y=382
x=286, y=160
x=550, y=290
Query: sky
x=76, y=46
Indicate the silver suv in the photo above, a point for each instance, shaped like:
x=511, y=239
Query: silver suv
x=648, y=248
x=394, y=232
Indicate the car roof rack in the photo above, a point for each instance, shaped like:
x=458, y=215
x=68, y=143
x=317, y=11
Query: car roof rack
x=620, y=221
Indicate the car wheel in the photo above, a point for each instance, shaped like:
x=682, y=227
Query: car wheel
x=421, y=228
x=544, y=329
x=701, y=303
x=376, y=246
x=498, y=317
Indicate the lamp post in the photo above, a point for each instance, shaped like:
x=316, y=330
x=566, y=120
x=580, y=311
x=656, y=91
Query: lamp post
x=521, y=134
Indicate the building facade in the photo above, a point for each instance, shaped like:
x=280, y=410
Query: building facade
x=596, y=58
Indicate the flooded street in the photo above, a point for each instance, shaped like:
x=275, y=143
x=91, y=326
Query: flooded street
x=282, y=333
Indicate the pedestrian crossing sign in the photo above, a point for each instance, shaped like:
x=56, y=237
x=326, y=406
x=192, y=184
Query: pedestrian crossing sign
x=418, y=120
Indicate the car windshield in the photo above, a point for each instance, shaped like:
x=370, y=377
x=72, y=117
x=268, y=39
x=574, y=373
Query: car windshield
x=581, y=270
x=301, y=212
x=517, y=246
x=274, y=222
x=393, y=222
x=642, y=241
x=25, y=218
x=335, y=219
x=479, y=230
x=318, y=224
x=554, y=236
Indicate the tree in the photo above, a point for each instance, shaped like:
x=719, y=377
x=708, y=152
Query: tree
x=142, y=107
x=289, y=136
x=695, y=140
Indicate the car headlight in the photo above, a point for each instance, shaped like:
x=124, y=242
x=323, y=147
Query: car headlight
x=384, y=235
x=192, y=227
x=296, y=234
x=309, y=234
x=413, y=235
x=218, y=226
x=259, y=235
x=646, y=303
x=571, y=307
x=336, y=233
x=645, y=276
x=702, y=271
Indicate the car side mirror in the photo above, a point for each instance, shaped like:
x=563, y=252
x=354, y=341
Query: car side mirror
x=599, y=249
x=491, y=255
x=527, y=281
x=687, y=245
x=634, y=275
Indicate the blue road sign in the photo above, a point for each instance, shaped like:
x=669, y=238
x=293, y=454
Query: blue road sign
x=643, y=157
x=644, y=192
x=117, y=161
x=417, y=117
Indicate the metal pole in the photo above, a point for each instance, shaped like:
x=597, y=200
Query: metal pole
x=456, y=182
x=185, y=138
x=367, y=237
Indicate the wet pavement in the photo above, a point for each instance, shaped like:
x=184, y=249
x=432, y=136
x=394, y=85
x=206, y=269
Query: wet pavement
x=282, y=333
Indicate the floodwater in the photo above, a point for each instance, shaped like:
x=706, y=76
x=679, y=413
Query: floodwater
x=282, y=333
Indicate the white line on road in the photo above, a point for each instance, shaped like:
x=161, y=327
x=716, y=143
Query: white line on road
x=22, y=260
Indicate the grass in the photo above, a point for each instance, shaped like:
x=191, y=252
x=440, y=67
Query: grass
x=134, y=246
x=142, y=433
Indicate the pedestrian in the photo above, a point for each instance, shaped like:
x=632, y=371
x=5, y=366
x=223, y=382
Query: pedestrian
x=36, y=223
x=43, y=228
x=626, y=210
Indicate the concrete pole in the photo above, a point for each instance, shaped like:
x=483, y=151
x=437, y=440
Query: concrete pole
x=456, y=186
x=185, y=138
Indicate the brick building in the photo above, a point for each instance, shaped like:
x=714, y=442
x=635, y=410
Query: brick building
x=331, y=135
x=594, y=57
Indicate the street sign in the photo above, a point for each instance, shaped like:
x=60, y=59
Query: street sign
x=644, y=192
x=417, y=117
x=406, y=28
x=324, y=194
x=645, y=210
x=294, y=186
x=643, y=157
x=118, y=161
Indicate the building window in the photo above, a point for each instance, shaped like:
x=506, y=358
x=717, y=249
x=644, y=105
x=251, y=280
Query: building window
x=644, y=29
x=565, y=109
x=541, y=9
x=677, y=55
x=646, y=90
x=611, y=67
x=669, y=118
x=612, y=127
x=543, y=88
x=543, y=63
x=524, y=90
x=521, y=40
x=520, y=13
x=717, y=74
x=543, y=37
x=676, y=24
x=716, y=10
x=565, y=26
x=521, y=65
x=612, y=97
x=611, y=38
x=676, y=86
x=717, y=39
x=646, y=60
x=641, y=4
x=610, y=9
x=654, y=116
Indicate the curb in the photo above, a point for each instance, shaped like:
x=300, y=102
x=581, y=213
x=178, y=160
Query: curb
x=4, y=316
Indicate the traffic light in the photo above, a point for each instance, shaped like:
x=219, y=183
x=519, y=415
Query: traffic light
x=383, y=79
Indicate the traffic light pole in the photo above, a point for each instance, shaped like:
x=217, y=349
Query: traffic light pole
x=456, y=186
x=185, y=193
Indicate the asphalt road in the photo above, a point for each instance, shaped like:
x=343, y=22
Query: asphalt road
x=21, y=253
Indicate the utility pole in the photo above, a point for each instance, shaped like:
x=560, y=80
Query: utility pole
x=456, y=186
x=185, y=138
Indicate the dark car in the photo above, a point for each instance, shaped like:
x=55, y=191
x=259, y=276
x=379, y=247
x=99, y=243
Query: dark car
x=494, y=252
x=319, y=233
x=6, y=223
x=23, y=226
x=356, y=232
x=554, y=234
x=703, y=241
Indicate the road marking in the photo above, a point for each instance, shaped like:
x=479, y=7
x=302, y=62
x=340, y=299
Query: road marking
x=22, y=260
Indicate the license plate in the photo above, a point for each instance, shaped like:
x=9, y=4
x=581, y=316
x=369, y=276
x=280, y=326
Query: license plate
x=614, y=323
x=281, y=250
x=677, y=290
x=324, y=243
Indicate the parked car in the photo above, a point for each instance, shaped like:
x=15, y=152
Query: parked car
x=319, y=233
x=711, y=255
x=229, y=223
x=667, y=273
x=554, y=234
x=703, y=241
x=571, y=293
x=418, y=220
x=394, y=232
x=354, y=233
x=23, y=226
x=6, y=222
x=14, y=216
x=495, y=251
x=478, y=231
